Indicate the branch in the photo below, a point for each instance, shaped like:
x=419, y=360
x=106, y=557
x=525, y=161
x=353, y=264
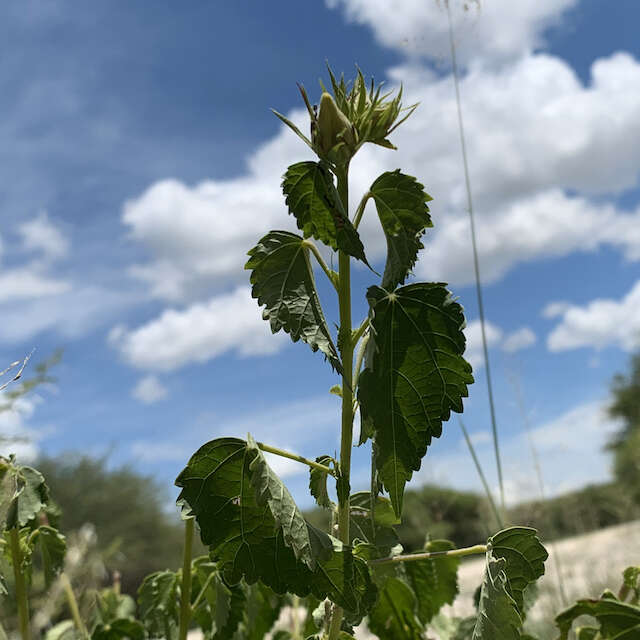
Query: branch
x=297, y=458
x=430, y=555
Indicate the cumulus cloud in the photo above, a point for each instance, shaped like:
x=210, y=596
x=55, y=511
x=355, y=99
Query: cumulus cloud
x=149, y=390
x=17, y=436
x=40, y=234
x=600, y=323
x=25, y=283
x=534, y=133
x=473, y=332
x=200, y=332
x=518, y=340
x=492, y=31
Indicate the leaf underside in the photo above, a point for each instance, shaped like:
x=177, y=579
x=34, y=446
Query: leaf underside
x=283, y=281
x=254, y=530
x=401, y=203
x=414, y=377
x=318, y=483
x=314, y=202
x=23, y=494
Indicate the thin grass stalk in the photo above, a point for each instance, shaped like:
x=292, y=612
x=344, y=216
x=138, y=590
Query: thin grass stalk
x=476, y=264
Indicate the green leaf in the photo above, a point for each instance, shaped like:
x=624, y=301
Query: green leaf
x=318, y=482
x=118, y=630
x=401, y=203
x=111, y=605
x=157, y=600
x=23, y=494
x=631, y=581
x=282, y=279
x=434, y=582
x=314, y=201
x=617, y=620
x=262, y=610
x=214, y=607
x=587, y=633
x=377, y=531
x=53, y=547
x=498, y=617
x=394, y=616
x=415, y=376
x=525, y=557
x=255, y=531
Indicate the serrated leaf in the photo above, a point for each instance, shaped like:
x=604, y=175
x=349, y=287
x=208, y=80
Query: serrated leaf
x=283, y=281
x=525, y=557
x=617, y=620
x=415, y=376
x=158, y=605
x=394, y=616
x=498, y=617
x=53, y=546
x=318, y=482
x=254, y=530
x=435, y=581
x=314, y=201
x=401, y=203
x=23, y=494
x=262, y=610
x=377, y=531
x=119, y=630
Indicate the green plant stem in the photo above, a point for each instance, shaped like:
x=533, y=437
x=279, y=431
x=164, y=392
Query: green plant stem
x=453, y=553
x=359, y=359
x=346, y=344
x=205, y=586
x=332, y=275
x=485, y=484
x=21, y=587
x=476, y=262
x=360, y=210
x=185, y=587
x=73, y=605
x=358, y=333
x=292, y=456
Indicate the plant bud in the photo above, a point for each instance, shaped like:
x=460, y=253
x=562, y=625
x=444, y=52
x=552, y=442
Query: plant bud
x=333, y=126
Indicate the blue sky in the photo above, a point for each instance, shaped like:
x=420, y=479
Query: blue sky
x=140, y=162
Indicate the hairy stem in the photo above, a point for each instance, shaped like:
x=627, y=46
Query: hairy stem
x=73, y=605
x=359, y=359
x=332, y=275
x=185, y=587
x=430, y=555
x=346, y=351
x=358, y=333
x=360, y=210
x=21, y=587
x=292, y=456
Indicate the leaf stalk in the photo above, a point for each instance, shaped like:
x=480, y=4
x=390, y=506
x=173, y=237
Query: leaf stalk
x=430, y=555
x=73, y=605
x=292, y=456
x=332, y=275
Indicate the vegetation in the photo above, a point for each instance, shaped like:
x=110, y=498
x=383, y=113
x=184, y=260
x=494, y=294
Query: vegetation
x=402, y=366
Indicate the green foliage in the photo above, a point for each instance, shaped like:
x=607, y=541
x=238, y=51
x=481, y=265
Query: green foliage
x=314, y=201
x=283, y=281
x=626, y=442
x=395, y=614
x=415, y=376
x=255, y=531
x=401, y=203
x=53, y=547
x=318, y=482
x=158, y=605
x=23, y=494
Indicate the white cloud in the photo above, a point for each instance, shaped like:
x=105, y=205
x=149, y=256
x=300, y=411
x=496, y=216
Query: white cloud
x=534, y=131
x=555, y=309
x=202, y=331
x=498, y=30
x=41, y=235
x=570, y=448
x=601, y=323
x=25, y=283
x=16, y=434
x=518, y=340
x=149, y=390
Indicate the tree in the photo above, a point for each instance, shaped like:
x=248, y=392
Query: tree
x=625, y=444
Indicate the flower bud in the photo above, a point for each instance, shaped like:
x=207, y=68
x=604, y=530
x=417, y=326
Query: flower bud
x=333, y=128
